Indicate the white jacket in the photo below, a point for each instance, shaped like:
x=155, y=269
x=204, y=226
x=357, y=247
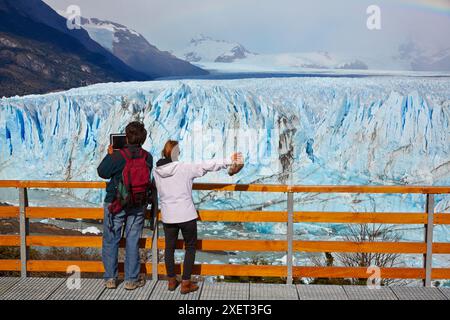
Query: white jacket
x=174, y=184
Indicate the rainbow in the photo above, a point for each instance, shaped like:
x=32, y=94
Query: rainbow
x=436, y=6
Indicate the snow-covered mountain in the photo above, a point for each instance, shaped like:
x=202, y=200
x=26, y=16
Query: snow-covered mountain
x=424, y=59
x=133, y=48
x=224, y=56
x=206, y=49
x=220, y=55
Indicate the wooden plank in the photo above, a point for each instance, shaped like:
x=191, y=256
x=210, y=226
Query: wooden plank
x=9, y=241
x=85, y=266
x=440, y=273
x=235, y=270
x=203, y=245
x=369, y=189
x=241, y=245
x=64, y=213
x=9, y=183
x=205, y=215
x=78, y=241
x=206, y=269
x=233, y=245
x=61, y=266
x=441, y=248
x=374, y=247
x=9, y=212
x=9, y=265
x=247, y=216
x=360, y=217
x=254, y=216
x=232, y=270
x=63, y=184
x=242, y=187
x=243, y=216
x=442, y=218
x=65, y=241
x=358, y=272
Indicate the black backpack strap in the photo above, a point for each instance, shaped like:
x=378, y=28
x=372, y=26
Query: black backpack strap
x=125, y=154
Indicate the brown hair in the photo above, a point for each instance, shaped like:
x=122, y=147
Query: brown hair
x=168, y=147
x=136, y=133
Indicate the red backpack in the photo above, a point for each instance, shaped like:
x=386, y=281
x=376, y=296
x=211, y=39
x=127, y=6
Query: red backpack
x=134, y=188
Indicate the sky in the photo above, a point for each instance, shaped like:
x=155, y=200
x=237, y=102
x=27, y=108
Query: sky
x=278, y=26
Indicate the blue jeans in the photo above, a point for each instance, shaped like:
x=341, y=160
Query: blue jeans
x=112, y=233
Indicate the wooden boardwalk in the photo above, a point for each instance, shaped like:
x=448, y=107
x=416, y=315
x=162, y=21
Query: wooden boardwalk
x=93, y=289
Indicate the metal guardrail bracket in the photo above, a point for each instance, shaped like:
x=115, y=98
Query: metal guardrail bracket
x=24, y=227
x=290, y=237
x=155, y=248
x=428, y=257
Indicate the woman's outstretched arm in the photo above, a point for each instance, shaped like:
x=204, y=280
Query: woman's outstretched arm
x=200, y=169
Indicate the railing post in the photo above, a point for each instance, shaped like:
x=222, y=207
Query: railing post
x=24, y=229
x=155, y=248
x=428, y=257
x=290, y=236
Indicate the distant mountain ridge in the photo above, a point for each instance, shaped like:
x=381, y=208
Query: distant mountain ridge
x=220, y=55
x=206, y=51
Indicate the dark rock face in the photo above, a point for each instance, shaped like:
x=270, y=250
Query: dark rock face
x=354, y=65
x=192, y=57
x=37, y=57
x=238, y=52
x=34, y=67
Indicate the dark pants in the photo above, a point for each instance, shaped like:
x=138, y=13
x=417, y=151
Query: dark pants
x=189, y=232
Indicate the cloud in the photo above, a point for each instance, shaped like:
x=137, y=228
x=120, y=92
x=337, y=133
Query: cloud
x=271, y=26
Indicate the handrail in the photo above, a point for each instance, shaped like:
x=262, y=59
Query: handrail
x=242, y=187
x=428, y=219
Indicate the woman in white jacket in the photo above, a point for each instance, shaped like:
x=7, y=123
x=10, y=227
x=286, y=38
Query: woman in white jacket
x=174, y=182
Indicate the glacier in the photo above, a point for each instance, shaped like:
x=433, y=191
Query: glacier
x=387, y=130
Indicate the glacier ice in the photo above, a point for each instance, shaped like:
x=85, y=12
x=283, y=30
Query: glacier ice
x=370, y=130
